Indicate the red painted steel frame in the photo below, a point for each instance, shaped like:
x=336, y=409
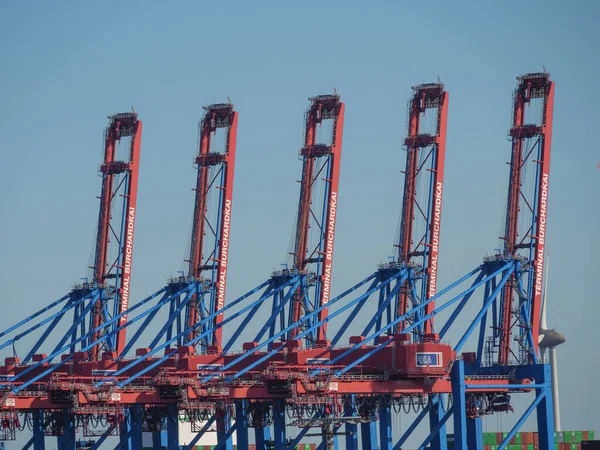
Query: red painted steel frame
x=425, y=96
x=330, y=107
x=121, y=125
x=217, y=116
x=520, y=130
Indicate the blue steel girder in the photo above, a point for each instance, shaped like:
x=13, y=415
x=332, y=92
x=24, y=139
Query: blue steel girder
x=297, y=325
x=87, y=347
x=520, y=317
x=410, y=313
x=185, y=332
x=80, y=301
x=542, y=403
x=486, y=274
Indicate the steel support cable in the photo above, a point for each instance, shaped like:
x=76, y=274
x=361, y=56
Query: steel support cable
x=19, y=424
x=316, y=193
x=414, y=404
x=112, y=249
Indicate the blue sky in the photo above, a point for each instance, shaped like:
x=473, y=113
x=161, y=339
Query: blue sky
x=67, y=65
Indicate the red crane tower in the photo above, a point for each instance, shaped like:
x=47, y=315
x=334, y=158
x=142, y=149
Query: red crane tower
x=425, y=153
x=531, y=136
x=119, y=179
x=209, y=251
x=320, y=160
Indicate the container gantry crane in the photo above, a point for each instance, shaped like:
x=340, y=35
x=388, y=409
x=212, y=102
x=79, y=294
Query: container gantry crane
x=189, y=298
x=511, y=281
x=363, y=383
x=517, y=269
x=295, y=293
x=98, y=306
x=107, y=294
x=268, y=361
x=398, y=362
x=190, y=322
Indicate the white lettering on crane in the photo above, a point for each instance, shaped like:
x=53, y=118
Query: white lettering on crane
x=329, y=247
x=435, y=239
x=541, y=237
x=224, y=255
x=127, y=266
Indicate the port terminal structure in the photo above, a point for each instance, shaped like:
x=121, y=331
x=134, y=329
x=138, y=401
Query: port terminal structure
x=123, y=368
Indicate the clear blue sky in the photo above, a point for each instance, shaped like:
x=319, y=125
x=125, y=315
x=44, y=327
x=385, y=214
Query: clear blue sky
x=66, y=65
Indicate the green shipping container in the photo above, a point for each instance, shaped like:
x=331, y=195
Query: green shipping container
x=578, y=436
x=590, y=435
x=573, y=446
x=306, y=446
x=493, y=446
x=530, y=447
x=518, y=438
x=489, y=438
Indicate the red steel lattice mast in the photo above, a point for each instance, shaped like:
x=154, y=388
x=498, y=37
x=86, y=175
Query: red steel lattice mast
x=206, y=260
x=322, y=108
x=531, y=86
x=117, y=271
x=425, y=153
